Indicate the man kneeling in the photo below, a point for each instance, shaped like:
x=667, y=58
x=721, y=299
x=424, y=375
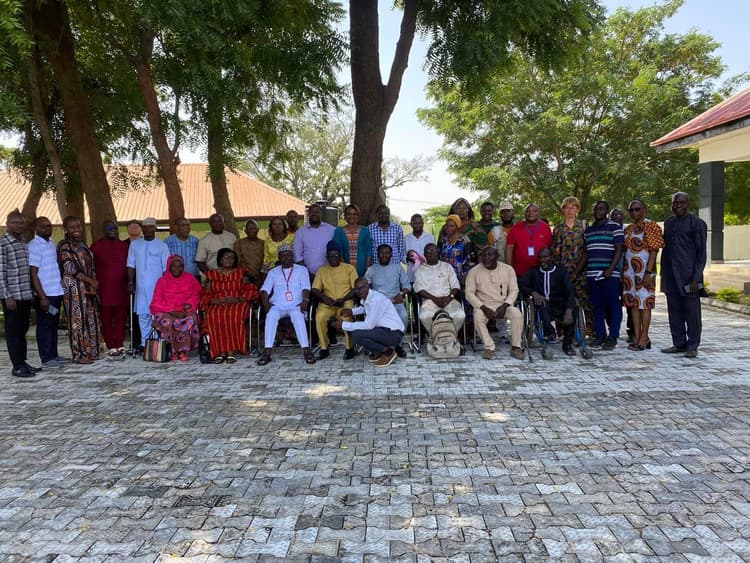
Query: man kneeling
x=382, y=329
x=554, y=296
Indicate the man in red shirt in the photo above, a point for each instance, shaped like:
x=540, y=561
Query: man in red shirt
x=526, y=239
x=110, y=256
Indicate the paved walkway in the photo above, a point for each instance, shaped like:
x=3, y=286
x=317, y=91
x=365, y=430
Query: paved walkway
x=629, y=456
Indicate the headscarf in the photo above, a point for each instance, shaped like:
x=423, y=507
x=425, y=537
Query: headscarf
x=455, y=218
x=172, y=293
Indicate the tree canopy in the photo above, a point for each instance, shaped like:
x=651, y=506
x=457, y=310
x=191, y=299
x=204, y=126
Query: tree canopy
x=583, y=130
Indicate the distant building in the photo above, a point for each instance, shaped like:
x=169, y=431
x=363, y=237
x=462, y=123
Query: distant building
x=249, y=197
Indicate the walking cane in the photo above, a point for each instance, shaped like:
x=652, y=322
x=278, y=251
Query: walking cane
x=131, y=352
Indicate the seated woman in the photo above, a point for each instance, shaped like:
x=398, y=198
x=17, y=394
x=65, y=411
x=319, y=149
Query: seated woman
x=175, y=308
x=226, y=299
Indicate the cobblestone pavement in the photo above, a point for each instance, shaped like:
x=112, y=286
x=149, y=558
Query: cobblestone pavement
x=629, y=456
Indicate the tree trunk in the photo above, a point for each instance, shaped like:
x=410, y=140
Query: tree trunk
x=39, y=111
x=51, y=20
x=374, y=101
x=38, y=174
x=216, y=171
x=167, y=164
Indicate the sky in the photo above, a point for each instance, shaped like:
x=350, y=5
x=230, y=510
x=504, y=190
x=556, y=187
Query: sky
x=725, y=20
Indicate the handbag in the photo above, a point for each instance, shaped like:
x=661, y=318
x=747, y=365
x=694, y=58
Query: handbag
x=156, y=349
x=204, y=349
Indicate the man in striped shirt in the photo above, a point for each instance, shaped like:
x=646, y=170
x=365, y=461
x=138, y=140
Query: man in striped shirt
x=604, y=244
x=15, y=292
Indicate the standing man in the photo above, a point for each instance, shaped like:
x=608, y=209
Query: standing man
x=494, y=234
x=333, y=287
x=506, y=216
x=385, y=232
x=526, y=239
x=184, y=244
x=250, y=252
x=47, y=284
x=134, y=230
x=416, y=242
x=604, y=242
x=146, y=263
x=292, y=221
x=682, y=263
x=311, y=241
x=15, y=292
x=209, y=245
x=382, y=329
x=492, y=290
x=110, y=262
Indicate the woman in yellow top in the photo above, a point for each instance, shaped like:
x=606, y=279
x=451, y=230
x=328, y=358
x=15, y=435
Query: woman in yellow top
x=277, y=235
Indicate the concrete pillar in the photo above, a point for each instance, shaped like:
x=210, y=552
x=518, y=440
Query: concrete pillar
x=712, y=207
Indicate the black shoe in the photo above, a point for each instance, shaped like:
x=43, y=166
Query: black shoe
x=609, y=343
x=596, y=343
x=400, y=352
x=349, y=354
x=673, y=350
x=323, y=354
x=32, y=369
x=23, y=371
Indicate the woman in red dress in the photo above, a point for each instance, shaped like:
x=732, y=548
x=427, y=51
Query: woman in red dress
x=225, y=300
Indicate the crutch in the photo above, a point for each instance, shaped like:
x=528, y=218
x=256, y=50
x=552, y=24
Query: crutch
x=131, y=352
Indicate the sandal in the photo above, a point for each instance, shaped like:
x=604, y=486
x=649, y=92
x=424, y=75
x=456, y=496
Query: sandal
x=230, y=359
x=219, y=360
x=570, y=351
x=636, y=347
x=264, y=359
x=309, y=356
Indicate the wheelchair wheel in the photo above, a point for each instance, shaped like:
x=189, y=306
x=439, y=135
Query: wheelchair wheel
x=547, y=353
x=587, y=353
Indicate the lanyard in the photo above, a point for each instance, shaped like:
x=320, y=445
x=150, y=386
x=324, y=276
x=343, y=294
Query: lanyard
x=532, y=233
x=287, y=278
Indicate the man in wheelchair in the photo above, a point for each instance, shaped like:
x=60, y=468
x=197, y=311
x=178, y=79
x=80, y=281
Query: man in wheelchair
x=549, y=287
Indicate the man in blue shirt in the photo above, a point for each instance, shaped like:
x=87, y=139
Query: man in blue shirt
x=184, y=244
x=604, y=244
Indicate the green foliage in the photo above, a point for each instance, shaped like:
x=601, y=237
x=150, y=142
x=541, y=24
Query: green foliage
x=472, y=43
x=584, y=130
x=729, y=294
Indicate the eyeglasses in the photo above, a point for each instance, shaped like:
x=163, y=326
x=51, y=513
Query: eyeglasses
x=634, y=209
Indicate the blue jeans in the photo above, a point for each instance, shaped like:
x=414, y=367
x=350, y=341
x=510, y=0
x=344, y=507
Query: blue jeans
x=605, y=298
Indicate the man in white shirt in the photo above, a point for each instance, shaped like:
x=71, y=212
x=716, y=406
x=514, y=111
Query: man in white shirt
x=47, y=284
x=210, y=244
x=147, y=261
x=416, y=242
x=437, y=285
x=286, y=293
x=382, y=329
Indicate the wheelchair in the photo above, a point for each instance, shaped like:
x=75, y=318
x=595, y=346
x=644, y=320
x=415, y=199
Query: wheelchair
x=418, y=345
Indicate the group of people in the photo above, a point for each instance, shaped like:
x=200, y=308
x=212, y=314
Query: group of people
x=183, y=287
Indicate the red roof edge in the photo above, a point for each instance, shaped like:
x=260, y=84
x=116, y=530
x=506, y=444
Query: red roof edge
x=732, y=109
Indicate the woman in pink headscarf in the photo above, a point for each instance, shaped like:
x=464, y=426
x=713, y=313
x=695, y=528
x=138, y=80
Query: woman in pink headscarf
x=175, y=308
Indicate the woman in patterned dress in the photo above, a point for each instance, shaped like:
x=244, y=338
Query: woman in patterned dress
x=455, y=248
x=568, y=246
x=354, y=241
x=643, y=239
x=79, y=292
x=175, y=308
x=226, y=299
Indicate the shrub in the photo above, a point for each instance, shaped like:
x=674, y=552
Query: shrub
x=729, y=294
